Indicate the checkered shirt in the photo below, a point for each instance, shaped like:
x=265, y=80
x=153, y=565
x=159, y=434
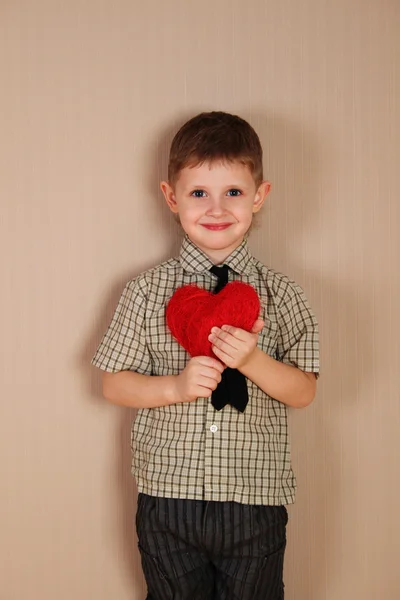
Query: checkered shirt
x=190, y=450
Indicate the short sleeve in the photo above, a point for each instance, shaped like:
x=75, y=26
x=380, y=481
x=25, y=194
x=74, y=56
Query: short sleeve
x=123, y=347
x=298, y=340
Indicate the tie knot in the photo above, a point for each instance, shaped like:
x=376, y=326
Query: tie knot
x=222, y=274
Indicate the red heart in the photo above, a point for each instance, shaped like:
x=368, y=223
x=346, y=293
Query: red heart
x=192, y=312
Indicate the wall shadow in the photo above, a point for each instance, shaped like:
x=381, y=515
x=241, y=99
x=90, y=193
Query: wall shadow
x=288, y=148
x=297, y=161
x=126, y=541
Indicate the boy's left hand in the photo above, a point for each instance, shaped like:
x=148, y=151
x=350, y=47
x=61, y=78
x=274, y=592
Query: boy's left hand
x=233, y=346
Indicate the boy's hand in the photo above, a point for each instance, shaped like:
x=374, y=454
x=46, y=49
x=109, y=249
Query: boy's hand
x=199, y=378
x=234, y=346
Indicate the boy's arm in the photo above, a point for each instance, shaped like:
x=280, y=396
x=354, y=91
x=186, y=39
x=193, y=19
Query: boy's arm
x=283, y=382
x=124, y=358
x=292, y=378
x=198, y=379
x=127, y=388
x=238, y=350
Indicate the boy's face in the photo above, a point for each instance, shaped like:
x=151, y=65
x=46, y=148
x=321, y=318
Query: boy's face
x=215, y=203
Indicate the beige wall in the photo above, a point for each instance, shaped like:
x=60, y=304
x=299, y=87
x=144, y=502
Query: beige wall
x=91, y=92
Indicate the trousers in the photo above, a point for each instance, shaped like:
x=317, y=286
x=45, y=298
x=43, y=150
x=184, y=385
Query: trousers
x=205, y=550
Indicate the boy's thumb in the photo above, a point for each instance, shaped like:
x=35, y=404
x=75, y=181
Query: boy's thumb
x=257, y=327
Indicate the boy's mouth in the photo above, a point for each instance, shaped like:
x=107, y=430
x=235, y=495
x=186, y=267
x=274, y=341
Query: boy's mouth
x=216, y=226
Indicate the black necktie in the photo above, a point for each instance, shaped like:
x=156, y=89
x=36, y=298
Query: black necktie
x=232, y=388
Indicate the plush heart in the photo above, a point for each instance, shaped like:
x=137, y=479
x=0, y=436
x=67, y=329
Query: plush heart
x=192, y=312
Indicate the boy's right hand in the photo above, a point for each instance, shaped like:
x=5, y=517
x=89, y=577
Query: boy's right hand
x=199, y=378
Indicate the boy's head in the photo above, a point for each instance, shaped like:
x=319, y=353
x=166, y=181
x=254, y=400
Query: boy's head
x=215, y=180
x=215, y=137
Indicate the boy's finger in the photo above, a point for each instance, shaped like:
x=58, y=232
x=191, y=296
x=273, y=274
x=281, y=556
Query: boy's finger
x=258, y=326
x=208, y=361
x=224, y=339
x=211, y=375
x=223, y=355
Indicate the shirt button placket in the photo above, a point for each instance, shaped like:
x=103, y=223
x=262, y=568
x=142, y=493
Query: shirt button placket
x=212, y=427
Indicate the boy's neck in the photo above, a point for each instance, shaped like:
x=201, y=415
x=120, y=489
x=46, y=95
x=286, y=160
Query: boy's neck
x=218, y=257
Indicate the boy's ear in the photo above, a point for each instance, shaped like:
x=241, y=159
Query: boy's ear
x=262, y=192
x=169, y=196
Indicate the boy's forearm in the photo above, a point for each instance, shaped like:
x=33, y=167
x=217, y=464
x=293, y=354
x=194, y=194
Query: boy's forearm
x=280, y=381
x=127, y=388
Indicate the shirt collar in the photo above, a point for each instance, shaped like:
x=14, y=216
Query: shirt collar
x=194, y=260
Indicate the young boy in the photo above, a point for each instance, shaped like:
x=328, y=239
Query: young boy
x=211, y=456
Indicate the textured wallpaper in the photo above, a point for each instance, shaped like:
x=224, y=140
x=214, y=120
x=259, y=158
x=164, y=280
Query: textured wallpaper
x=91, y=94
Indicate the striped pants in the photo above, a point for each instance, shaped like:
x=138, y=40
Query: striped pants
x=203, y=550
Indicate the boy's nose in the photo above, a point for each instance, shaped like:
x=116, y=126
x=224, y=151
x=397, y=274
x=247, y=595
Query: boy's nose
x=216, y=207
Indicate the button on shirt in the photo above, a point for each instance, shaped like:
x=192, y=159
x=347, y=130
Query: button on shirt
x=190, y=450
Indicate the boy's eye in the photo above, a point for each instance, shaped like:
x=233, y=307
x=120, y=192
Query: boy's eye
x=202, y=194
x=198, y=193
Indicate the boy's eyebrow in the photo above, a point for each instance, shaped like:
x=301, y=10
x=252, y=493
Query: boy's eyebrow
x=229, y=186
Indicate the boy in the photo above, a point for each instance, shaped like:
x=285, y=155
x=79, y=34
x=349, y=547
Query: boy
x=211, y=457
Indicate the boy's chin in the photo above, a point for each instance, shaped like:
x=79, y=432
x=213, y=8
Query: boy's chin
x=217, y=242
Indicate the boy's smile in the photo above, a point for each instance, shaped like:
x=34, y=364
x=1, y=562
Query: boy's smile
x=215, y=203
x=216, y=226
